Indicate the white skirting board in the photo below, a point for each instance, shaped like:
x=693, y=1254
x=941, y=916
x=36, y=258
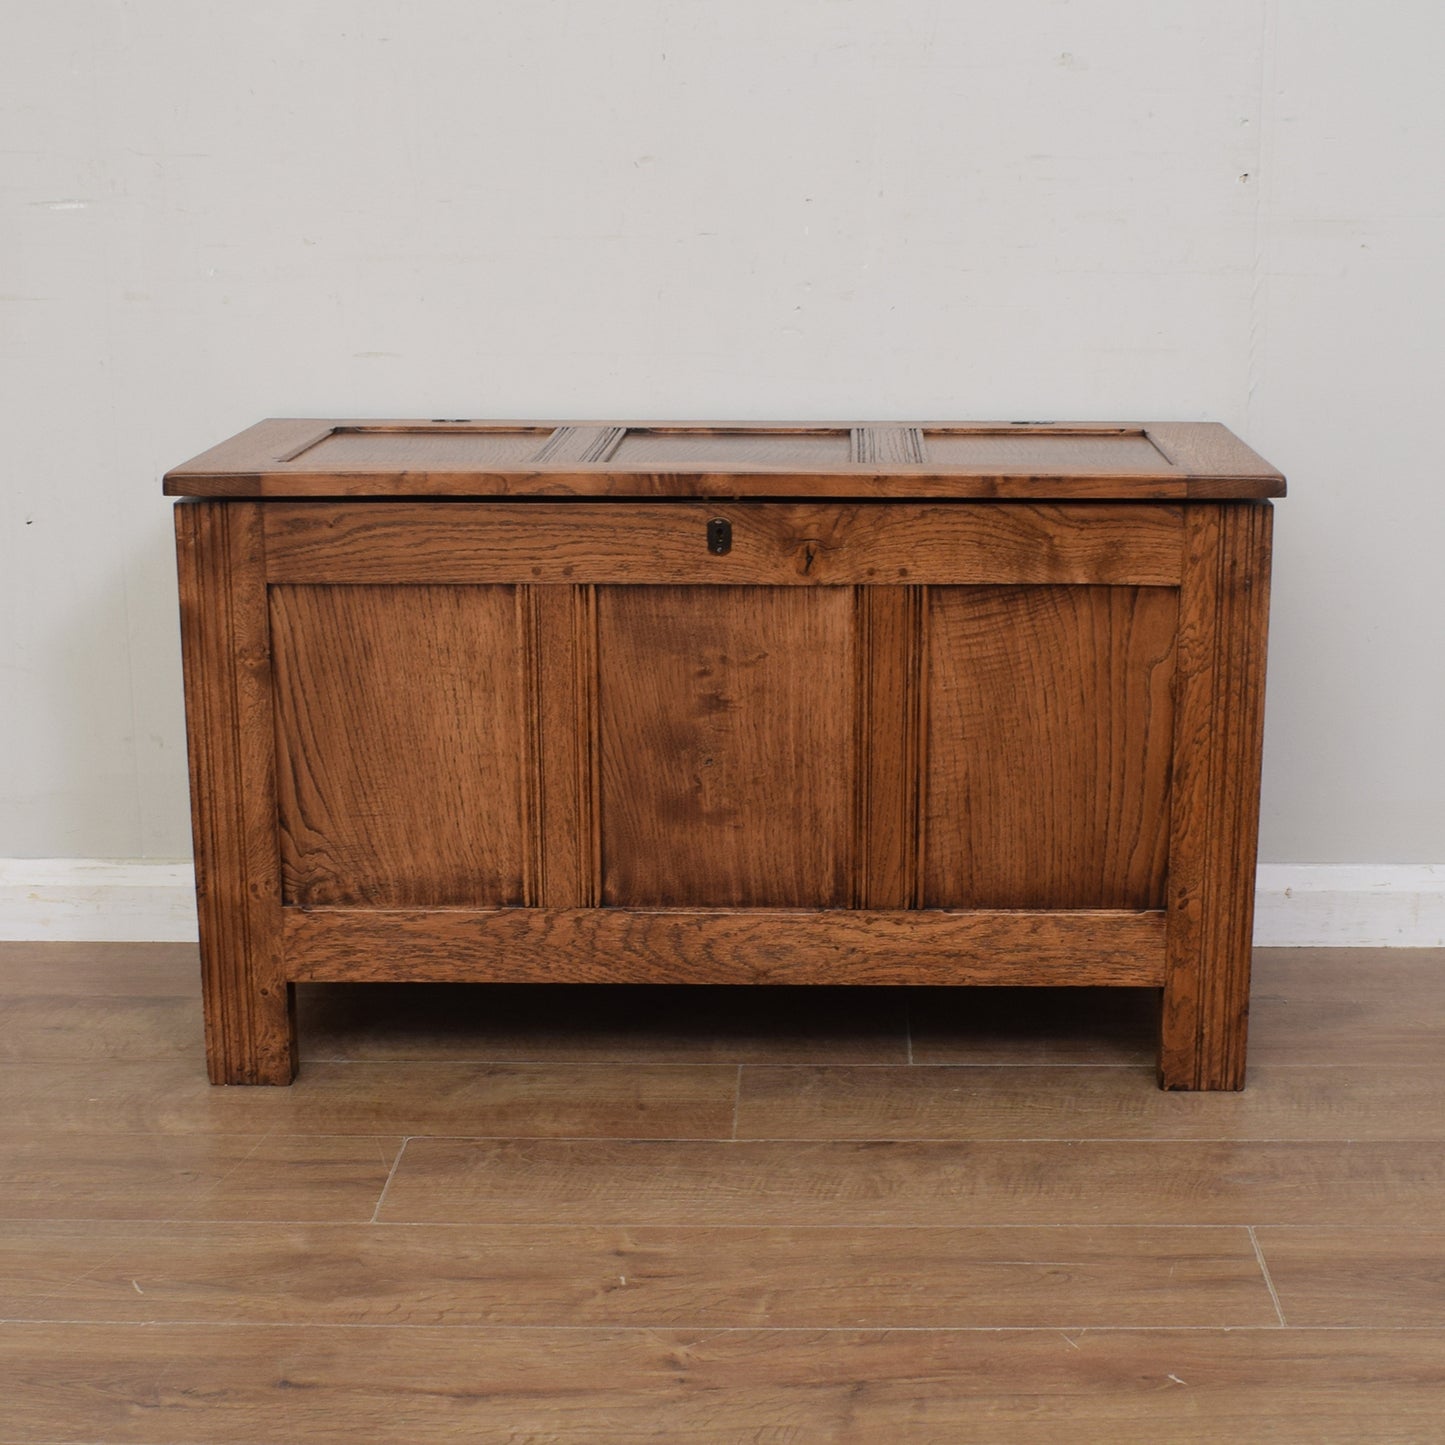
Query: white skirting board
x=1329, y=905
x=1350, y=905
x=97, y=900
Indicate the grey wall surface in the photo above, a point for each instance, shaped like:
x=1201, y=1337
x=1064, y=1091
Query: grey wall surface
x=803, y=208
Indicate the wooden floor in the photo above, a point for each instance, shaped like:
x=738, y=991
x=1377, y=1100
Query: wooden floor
x=707, y=1215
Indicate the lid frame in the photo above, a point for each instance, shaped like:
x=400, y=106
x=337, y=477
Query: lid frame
x=884, y=461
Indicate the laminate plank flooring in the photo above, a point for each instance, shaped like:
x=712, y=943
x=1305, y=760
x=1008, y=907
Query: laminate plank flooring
x=176, y=1385
x=40, y=1029
x=64, y=1175
x=1306, y=1102
x=690, y=1101
x=1348, y=1006
x=1385, y=1277
x=607, y=1215
x=89, y=971
x=831, y=1182
x=801, y=1278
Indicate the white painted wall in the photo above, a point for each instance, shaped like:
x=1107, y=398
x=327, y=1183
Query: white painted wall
x=215, y=212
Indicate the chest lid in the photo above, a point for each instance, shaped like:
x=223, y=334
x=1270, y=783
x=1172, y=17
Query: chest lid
x=1037, y=461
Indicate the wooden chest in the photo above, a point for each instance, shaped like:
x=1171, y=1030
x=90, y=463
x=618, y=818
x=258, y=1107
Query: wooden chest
x=883, y=704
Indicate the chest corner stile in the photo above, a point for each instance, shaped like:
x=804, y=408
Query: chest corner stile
x=947, y=703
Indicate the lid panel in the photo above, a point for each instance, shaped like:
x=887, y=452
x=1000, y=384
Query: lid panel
x=1046, y=453
x=666, y=448
x=879, y=461
x=418, y=449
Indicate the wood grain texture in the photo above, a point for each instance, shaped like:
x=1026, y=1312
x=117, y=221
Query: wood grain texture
x=260, y=447
x=648, y=1277
x=890, y=692
x=956, y=720
x=207, y=1175
x=46, y=1176
x=226, y=646
x=432, y=1097
x=580, y=481
x=982, y=1102
x=725, y=722
x=290, y=1177
x=774, y=544
x=580, y=444
x=417, y=449
x=1120, y=452
x=1339, y=1008
x=49, y=1029
x=978, y=459
x=293, y=448
x=1216, y=460
x=560, y=654
x=213, y=1285
x=1214, y=801
x=402, y=750
x=520, y=945
x=592, y=1100
x=666, y=448
x=887, y=445
x=906, y=1182
x=177, y=1384
x=1049, y=747
x=1347, y=1006
x=1330, y=1278
x=82, y=970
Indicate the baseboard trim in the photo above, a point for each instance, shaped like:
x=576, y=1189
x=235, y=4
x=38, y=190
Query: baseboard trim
x=1326, y=905
x=1350, y=905
x=97, y=900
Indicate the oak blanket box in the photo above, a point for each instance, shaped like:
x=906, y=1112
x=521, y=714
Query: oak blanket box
x=726, y=703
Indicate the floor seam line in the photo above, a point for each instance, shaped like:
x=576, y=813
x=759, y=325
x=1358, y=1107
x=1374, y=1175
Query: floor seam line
x=1268, y=1279
x=390, y=1175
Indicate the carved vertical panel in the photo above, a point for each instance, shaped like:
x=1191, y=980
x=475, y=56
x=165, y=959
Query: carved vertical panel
x=890, y=695
x=562, y=689
x=884, y=446
x=580, y=444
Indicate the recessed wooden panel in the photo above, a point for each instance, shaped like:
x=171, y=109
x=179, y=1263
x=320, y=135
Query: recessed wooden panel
x=1046, y=452
x=400, y=745
x=726, y=732
x=422, y=449
x=662, y=448
x=1049, y=739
